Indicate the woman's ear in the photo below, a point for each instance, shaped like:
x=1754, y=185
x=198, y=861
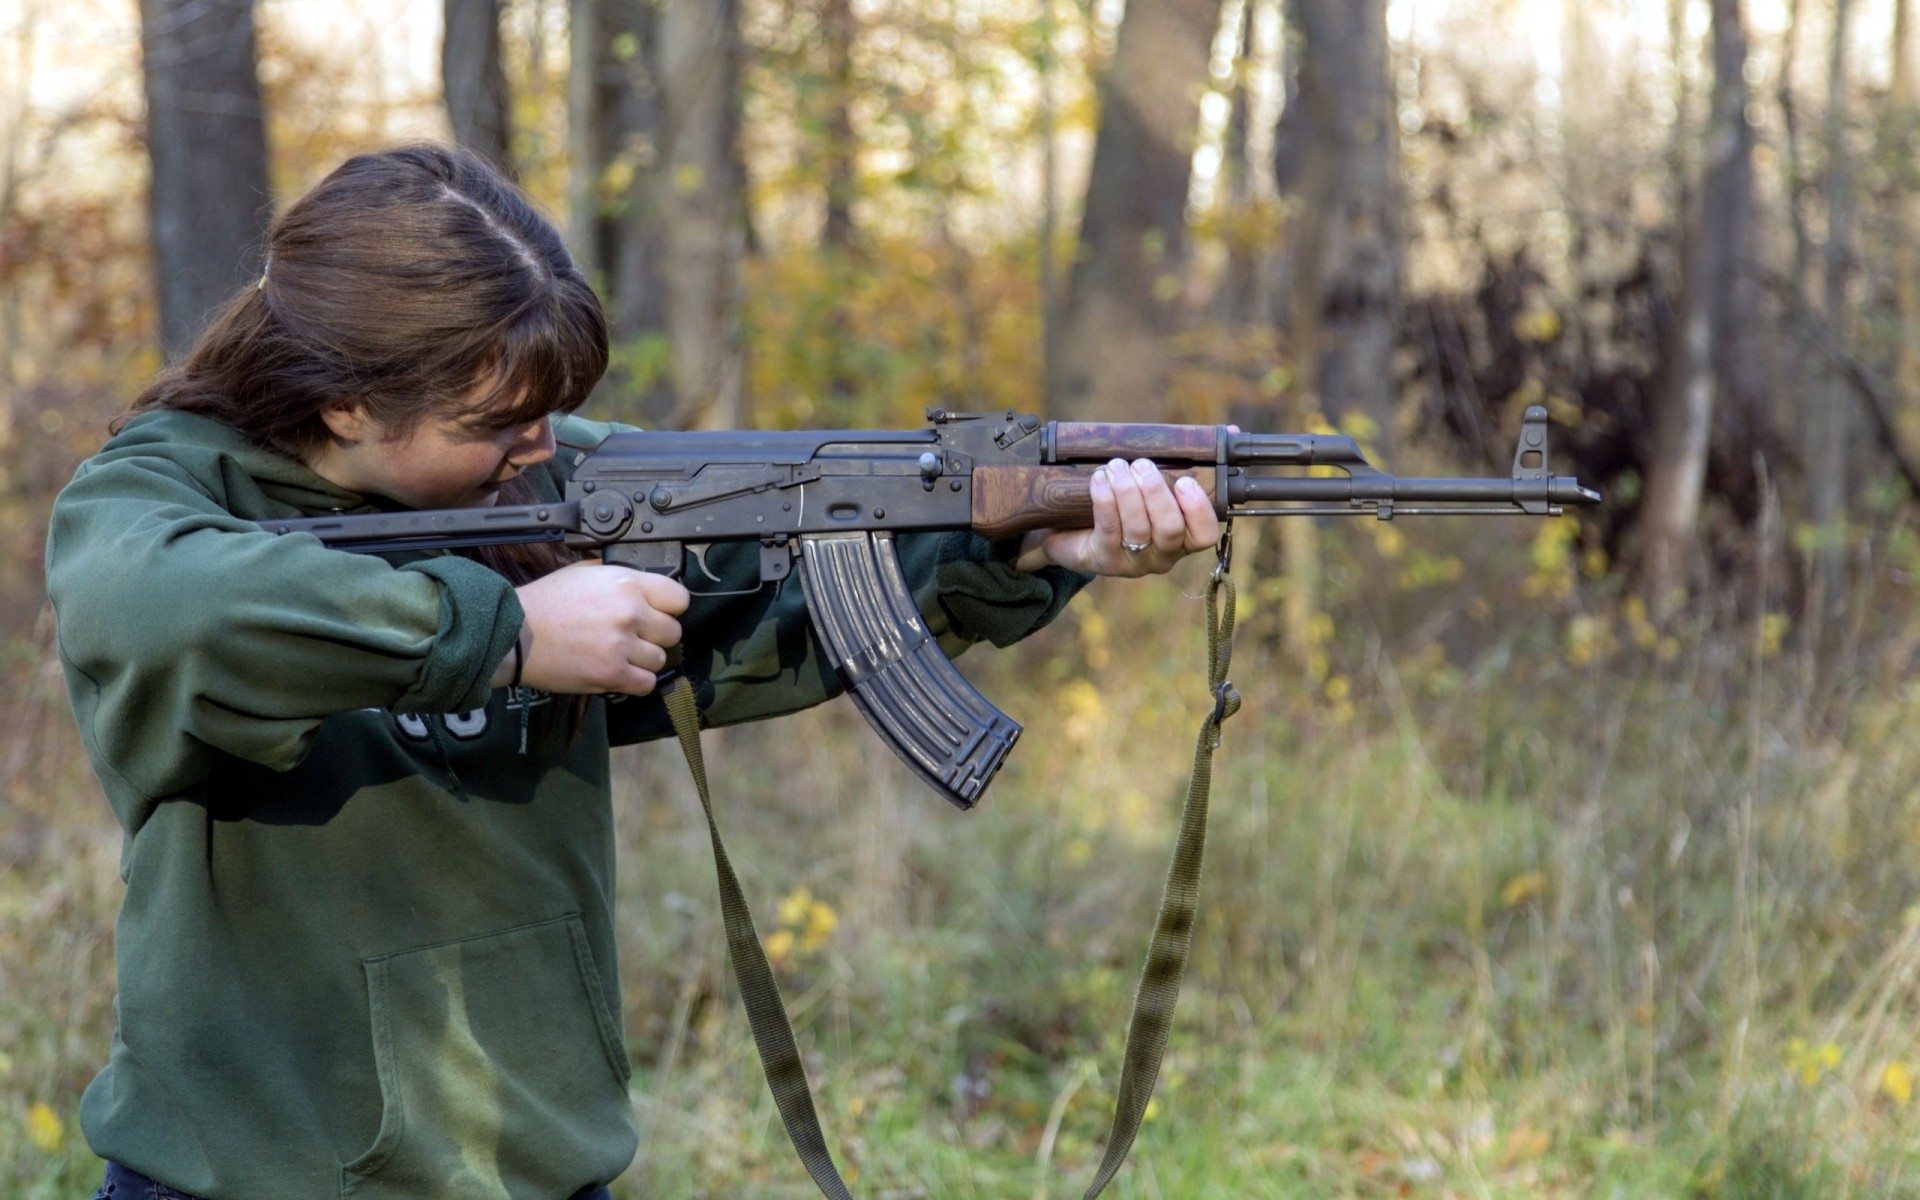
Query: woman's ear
x=348, y=419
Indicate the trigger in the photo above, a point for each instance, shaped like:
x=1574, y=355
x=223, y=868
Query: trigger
x=699, y=556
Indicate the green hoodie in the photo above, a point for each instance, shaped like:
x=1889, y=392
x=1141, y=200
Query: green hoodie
x=367, y=944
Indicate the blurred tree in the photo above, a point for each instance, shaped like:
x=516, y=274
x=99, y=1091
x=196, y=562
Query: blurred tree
x=1251, y=226
x=208, y=200
x=616, y=228
x=1828, y=420
x=1120, y=305
x=1713, y=306
x=1047, y=63
x=1346, y=237
x=659, y=198
x=474, y=79
x=838, y=27
x=1336, y=285
x=1899, y=132
x=704, y=205
x=1794, y=190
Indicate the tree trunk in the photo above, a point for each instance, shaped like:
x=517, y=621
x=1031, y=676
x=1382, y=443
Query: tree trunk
x=209, y=200
x=1292, y=148
x=1122, y=294
x=1716, y=230
x=1346, y=235
x=1747, y=355
x=1829, y=420
x=19, y=87
x=837, y=27
x=475, y=81
x=1903, y=126
x=614, y=129
x=1049, y=67
x=1245, y=298
x=704, y=204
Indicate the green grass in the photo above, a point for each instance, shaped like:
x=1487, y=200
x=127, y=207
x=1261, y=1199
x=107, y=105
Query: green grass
x=1487, y=918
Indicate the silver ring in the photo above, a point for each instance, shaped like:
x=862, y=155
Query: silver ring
x=1135, y=547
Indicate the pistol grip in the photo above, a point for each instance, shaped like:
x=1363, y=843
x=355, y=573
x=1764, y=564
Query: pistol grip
x=661, y=558
x=907, y=689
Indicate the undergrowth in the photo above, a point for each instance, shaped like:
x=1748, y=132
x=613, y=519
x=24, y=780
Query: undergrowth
x=1504, y=898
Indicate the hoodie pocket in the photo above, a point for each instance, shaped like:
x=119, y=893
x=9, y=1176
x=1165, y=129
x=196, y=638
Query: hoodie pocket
x=502, y=1072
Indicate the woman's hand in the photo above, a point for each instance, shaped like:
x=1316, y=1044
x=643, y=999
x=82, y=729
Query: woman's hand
x=593, y=628
x=1141, y=526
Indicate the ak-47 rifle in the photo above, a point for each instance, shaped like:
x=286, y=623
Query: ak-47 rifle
x=832, y=500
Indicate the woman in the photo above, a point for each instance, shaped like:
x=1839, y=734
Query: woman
x=367, y=946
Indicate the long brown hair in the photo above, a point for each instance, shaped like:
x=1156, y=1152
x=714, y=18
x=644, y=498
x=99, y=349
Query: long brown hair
x=417, y=280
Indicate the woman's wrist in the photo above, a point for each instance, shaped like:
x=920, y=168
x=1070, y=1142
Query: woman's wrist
x=508, y=673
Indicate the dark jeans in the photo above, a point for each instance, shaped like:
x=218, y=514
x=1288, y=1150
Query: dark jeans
x=122, y=1184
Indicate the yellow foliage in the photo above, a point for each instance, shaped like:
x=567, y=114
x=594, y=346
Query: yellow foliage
x=779, y=946
x=1565, y=411
x=807, y=923
x=1085, y=710
x=1523, y=887
x=1094, y=641
x=1773, y=631
x=1896, y=1084
x=820, y=926
x=1810, y=1063
x=1553, y=555
x=1537, y=325
x=1389, y=541
x=44, y=1127
x=874, y=344
x=1590, y=639
x=616, y=180
x=1645, y=636
x=1425, y=570
x=793, y=909
x=1360, y=427
x=1553, y=543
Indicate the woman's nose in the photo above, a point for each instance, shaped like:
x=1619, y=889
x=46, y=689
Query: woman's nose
x=535, y=444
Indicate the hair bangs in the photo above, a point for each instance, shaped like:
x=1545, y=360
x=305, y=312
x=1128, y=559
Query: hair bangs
x=548, y=361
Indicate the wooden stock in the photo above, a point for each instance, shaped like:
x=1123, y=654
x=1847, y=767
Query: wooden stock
x=1013, y=500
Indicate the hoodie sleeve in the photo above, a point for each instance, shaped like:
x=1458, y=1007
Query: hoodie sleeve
x=185, y=629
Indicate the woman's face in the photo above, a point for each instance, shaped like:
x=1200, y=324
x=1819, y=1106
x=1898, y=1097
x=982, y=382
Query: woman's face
x=441, y=462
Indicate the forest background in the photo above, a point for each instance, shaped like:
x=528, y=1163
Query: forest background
x=1566, y=858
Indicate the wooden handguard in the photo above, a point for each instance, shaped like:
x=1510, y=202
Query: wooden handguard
x=1008, y=501
x=1093, y=441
